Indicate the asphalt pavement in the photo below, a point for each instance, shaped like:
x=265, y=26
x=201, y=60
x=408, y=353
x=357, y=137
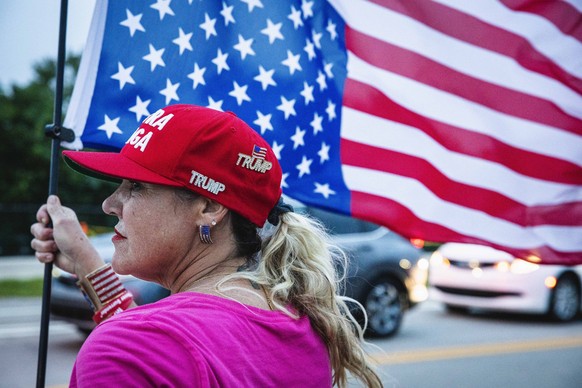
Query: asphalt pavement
x=20, y=268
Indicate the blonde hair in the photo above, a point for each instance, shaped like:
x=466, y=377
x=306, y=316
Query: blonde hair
x=297, y=266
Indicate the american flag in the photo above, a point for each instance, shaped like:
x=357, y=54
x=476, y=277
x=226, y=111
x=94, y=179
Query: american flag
x=446, y=120
x=259, y=152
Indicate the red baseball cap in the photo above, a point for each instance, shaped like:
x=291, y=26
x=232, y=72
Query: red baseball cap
x=212, y=153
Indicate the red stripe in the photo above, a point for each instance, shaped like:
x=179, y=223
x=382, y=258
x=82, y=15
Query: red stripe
x=476, y=32
x=488, y=201
x=385, y=211
x=408, y=63
x=367, y=99
x=563, y=15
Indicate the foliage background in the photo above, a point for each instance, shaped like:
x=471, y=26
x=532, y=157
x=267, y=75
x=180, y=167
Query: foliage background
x=25, y=160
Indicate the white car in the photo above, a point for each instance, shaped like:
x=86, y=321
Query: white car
x=465, y=276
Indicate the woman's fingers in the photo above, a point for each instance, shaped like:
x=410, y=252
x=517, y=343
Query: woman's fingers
x=41, y=232
x=44, y=257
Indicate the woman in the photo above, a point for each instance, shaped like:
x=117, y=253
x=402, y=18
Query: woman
x=196, y=186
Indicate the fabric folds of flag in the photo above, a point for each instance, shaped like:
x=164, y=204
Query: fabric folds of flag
x=446, y=120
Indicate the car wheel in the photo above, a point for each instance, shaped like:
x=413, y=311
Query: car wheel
x=384, y=307
x=565, y=300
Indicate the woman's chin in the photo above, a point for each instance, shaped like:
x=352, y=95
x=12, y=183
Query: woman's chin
x=117, y=263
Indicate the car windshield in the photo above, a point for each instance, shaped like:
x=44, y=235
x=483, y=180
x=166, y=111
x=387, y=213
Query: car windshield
x=341, y=224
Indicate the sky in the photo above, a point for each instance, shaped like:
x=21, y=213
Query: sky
x=29, y=31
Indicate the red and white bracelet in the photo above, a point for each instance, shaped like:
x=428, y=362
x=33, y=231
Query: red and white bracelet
x=117, y=305
x=105, y=293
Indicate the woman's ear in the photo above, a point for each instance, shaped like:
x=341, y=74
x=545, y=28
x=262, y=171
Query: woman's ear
x=212, y=211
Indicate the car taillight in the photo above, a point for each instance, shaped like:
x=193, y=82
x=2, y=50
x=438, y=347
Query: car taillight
x=417, y=242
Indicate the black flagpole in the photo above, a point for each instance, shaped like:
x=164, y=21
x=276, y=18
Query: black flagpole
x=57, y=133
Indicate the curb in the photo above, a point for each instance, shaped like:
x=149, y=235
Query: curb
x=20, y=268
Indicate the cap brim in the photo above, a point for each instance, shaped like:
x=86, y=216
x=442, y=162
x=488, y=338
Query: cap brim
x=113, y=167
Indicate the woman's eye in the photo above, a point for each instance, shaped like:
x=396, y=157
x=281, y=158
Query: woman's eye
x=135, y=186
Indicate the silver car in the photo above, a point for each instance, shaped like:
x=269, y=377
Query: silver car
x=387, y=275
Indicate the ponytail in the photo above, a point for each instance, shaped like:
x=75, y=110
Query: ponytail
x=297, y=267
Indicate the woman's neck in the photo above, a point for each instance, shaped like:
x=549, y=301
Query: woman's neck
x=215, y=282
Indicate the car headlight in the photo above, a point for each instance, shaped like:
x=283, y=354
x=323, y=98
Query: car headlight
x=520, y=266
x=418, y=281
x=517, y=266
x=438, y=260
x=419, y=271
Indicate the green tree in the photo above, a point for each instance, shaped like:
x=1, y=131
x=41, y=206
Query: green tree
x=25, y=159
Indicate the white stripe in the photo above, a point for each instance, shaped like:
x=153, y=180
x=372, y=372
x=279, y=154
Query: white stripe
x=428, y=207
x=475, y=61
x=451, y=109
x=462, y=168
x=563, y=49
x=78, y=109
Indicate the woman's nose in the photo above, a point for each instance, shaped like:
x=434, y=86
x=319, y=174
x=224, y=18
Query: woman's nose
x=111, y=205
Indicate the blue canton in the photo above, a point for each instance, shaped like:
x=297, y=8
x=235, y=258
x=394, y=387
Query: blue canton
x=279, y=65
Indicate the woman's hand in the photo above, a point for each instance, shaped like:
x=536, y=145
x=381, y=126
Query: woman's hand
x=65, y=244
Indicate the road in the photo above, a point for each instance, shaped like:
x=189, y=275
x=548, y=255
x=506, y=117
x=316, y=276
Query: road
x=19, y=338
x=438, y=349
x=433, y=349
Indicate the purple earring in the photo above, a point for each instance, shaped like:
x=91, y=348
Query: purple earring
x=205, y=233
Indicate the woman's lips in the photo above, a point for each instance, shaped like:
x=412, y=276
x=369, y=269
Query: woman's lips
x=117, y=236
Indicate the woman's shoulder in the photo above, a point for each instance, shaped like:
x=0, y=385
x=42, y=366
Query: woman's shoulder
x=201, y=306
x=190, y=309
x=192, y=320
x=195, y=329
x=132, y=346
